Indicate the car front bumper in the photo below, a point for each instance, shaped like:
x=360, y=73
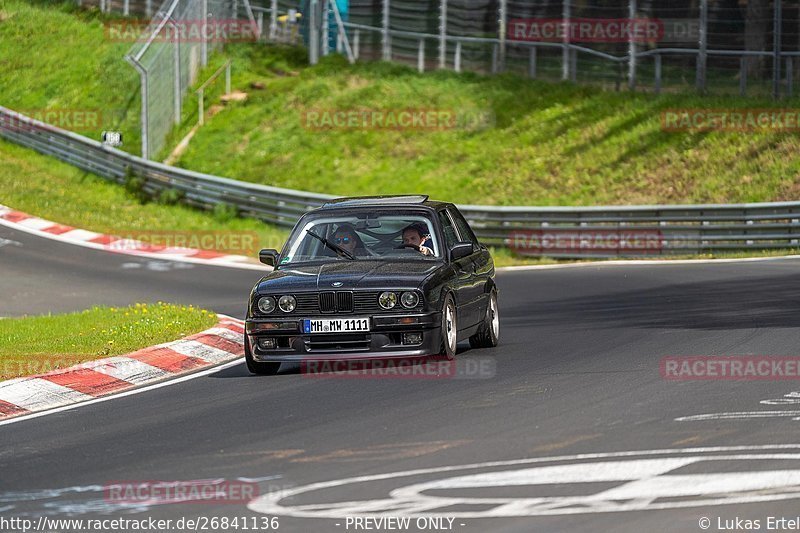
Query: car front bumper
x=385, y=340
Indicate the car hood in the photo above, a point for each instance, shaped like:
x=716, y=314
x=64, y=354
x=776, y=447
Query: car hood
x=352, y=275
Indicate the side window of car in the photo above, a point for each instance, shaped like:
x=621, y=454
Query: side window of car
x=463, y=227
x=450, y=237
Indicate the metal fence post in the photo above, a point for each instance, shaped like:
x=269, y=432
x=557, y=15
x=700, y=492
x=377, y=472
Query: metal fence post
x=204, y=38
x=565, y=18
x=200, y=108
x=421, y=56
x=144, y=116
x=776, y=50
x=789, y=76
x=326, y=17
x=176, y=56
x=228, y=78
x=631, y=48
x=442, y=33
x=126, y=8
x=385, y=37
x=148, y=8
x=273, y=20
x=356, y=43
x=502, y=31
x=457, y=57
x=700, y=81
x=313, y=32
x=532, y=62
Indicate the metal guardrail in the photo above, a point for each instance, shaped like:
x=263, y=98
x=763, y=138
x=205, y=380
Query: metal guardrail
x=569, y=232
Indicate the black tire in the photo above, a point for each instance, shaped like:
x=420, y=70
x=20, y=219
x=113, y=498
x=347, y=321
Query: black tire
x=449, y=325
x=488, y=334
x=256, y=367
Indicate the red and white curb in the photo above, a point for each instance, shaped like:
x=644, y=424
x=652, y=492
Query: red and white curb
x=86, y=381
x=110, y=243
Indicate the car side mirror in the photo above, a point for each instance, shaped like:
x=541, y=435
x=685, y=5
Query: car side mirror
x=460, y=250
x=268, y=256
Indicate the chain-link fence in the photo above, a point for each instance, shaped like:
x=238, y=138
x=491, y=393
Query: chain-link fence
x=723, y=46
x=169, y=56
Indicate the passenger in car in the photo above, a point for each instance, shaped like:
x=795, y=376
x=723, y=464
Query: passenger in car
x=416, y=234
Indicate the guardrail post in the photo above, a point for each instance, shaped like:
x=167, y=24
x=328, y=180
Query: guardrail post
x=631, y=48
x=273, y=20
x=776, y=50
x=502, y=31
x=657, y=57
x=421, y=56
x=565, y=21
x=386, y=38
x=457, y=57
x=442, y=33
x=742, y=75
x=702, y=55
x=532, y=62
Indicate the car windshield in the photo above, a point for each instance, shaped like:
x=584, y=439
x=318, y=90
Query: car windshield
x=362, y=236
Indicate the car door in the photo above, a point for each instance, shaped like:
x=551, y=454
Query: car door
x=463, y=271
x=475, y=294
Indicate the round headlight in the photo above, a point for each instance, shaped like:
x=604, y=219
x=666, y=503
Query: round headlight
x=266, y=304
x=287, y=303
x=387, y=300
x=409, y=299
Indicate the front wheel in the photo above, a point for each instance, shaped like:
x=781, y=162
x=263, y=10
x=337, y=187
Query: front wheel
x=449, y=328
x=256, y=367
x=489, y=333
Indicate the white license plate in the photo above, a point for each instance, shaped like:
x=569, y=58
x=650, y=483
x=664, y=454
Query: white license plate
x=335, y=325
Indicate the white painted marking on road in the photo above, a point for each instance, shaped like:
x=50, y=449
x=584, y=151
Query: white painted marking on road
x=200, y=350
x=645, y=262
x=37, y=393
x=128, y=369
x=738, y=415
x=124, y=394
x=35, y=223
x=225, y=333
x=652, y=483
x=80, y=235
x=9, y=242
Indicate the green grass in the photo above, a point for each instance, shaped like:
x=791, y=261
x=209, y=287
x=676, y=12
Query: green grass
x=550, y=143
x=48, y=188
x=56, y=56
x=38, y=344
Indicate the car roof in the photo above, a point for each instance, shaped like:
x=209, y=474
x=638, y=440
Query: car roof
x=382, y=201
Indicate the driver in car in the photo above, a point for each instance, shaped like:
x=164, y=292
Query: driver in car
x=416, y=235
x=347, y=238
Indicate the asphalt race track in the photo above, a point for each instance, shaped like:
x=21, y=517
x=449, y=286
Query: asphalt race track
x=575, y=421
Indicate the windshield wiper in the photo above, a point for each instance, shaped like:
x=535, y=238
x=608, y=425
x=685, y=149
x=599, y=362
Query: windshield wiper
x=333, y=246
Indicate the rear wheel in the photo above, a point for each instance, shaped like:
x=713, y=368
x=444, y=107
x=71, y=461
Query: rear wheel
x=449, y=328
x=489, y=332
x=256, y=367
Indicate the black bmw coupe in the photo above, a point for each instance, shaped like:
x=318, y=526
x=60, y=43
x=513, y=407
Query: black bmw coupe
x=373, y=278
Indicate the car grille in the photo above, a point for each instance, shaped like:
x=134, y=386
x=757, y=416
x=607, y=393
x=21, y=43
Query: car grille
x=329, y=302
x=351, y=342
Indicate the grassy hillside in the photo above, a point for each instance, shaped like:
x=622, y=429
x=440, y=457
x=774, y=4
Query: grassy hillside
x=55, y=56
x=549, y=144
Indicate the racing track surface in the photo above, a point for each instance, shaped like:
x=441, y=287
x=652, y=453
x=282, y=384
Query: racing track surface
x=577, y=372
